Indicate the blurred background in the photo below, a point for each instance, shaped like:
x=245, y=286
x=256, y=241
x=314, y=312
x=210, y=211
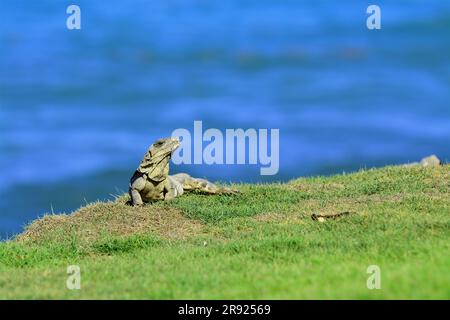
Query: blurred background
x=79, y=108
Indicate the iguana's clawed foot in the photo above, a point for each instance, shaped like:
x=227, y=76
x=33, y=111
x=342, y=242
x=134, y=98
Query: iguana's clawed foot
x=131, y=204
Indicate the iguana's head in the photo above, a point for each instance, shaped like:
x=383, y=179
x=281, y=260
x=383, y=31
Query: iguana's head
x=156, y=161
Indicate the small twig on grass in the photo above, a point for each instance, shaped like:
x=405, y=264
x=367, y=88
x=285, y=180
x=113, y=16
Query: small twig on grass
x=323, y=217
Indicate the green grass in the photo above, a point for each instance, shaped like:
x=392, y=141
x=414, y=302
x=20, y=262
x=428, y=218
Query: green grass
x=261, y=244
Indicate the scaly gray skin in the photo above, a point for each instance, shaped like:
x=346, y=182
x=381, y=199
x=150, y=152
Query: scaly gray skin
x=152, y=181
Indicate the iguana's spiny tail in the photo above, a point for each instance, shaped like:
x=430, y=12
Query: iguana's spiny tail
x=189, y=183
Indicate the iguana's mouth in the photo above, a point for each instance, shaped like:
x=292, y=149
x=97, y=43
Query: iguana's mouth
x=176, y=144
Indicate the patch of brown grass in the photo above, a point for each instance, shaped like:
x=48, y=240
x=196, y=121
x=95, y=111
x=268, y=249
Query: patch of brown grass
x=111, y=219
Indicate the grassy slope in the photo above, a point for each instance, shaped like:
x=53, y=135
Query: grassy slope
x=260, y=244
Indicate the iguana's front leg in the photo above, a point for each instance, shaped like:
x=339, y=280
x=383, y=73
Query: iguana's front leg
x=172, y=188
x=136, y=186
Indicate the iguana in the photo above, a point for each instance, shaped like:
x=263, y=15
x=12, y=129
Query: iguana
x=151, y=181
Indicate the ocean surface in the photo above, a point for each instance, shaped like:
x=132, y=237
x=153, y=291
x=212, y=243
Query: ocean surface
x=79, y=108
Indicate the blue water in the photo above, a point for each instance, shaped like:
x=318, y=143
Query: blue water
x=78, y=109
